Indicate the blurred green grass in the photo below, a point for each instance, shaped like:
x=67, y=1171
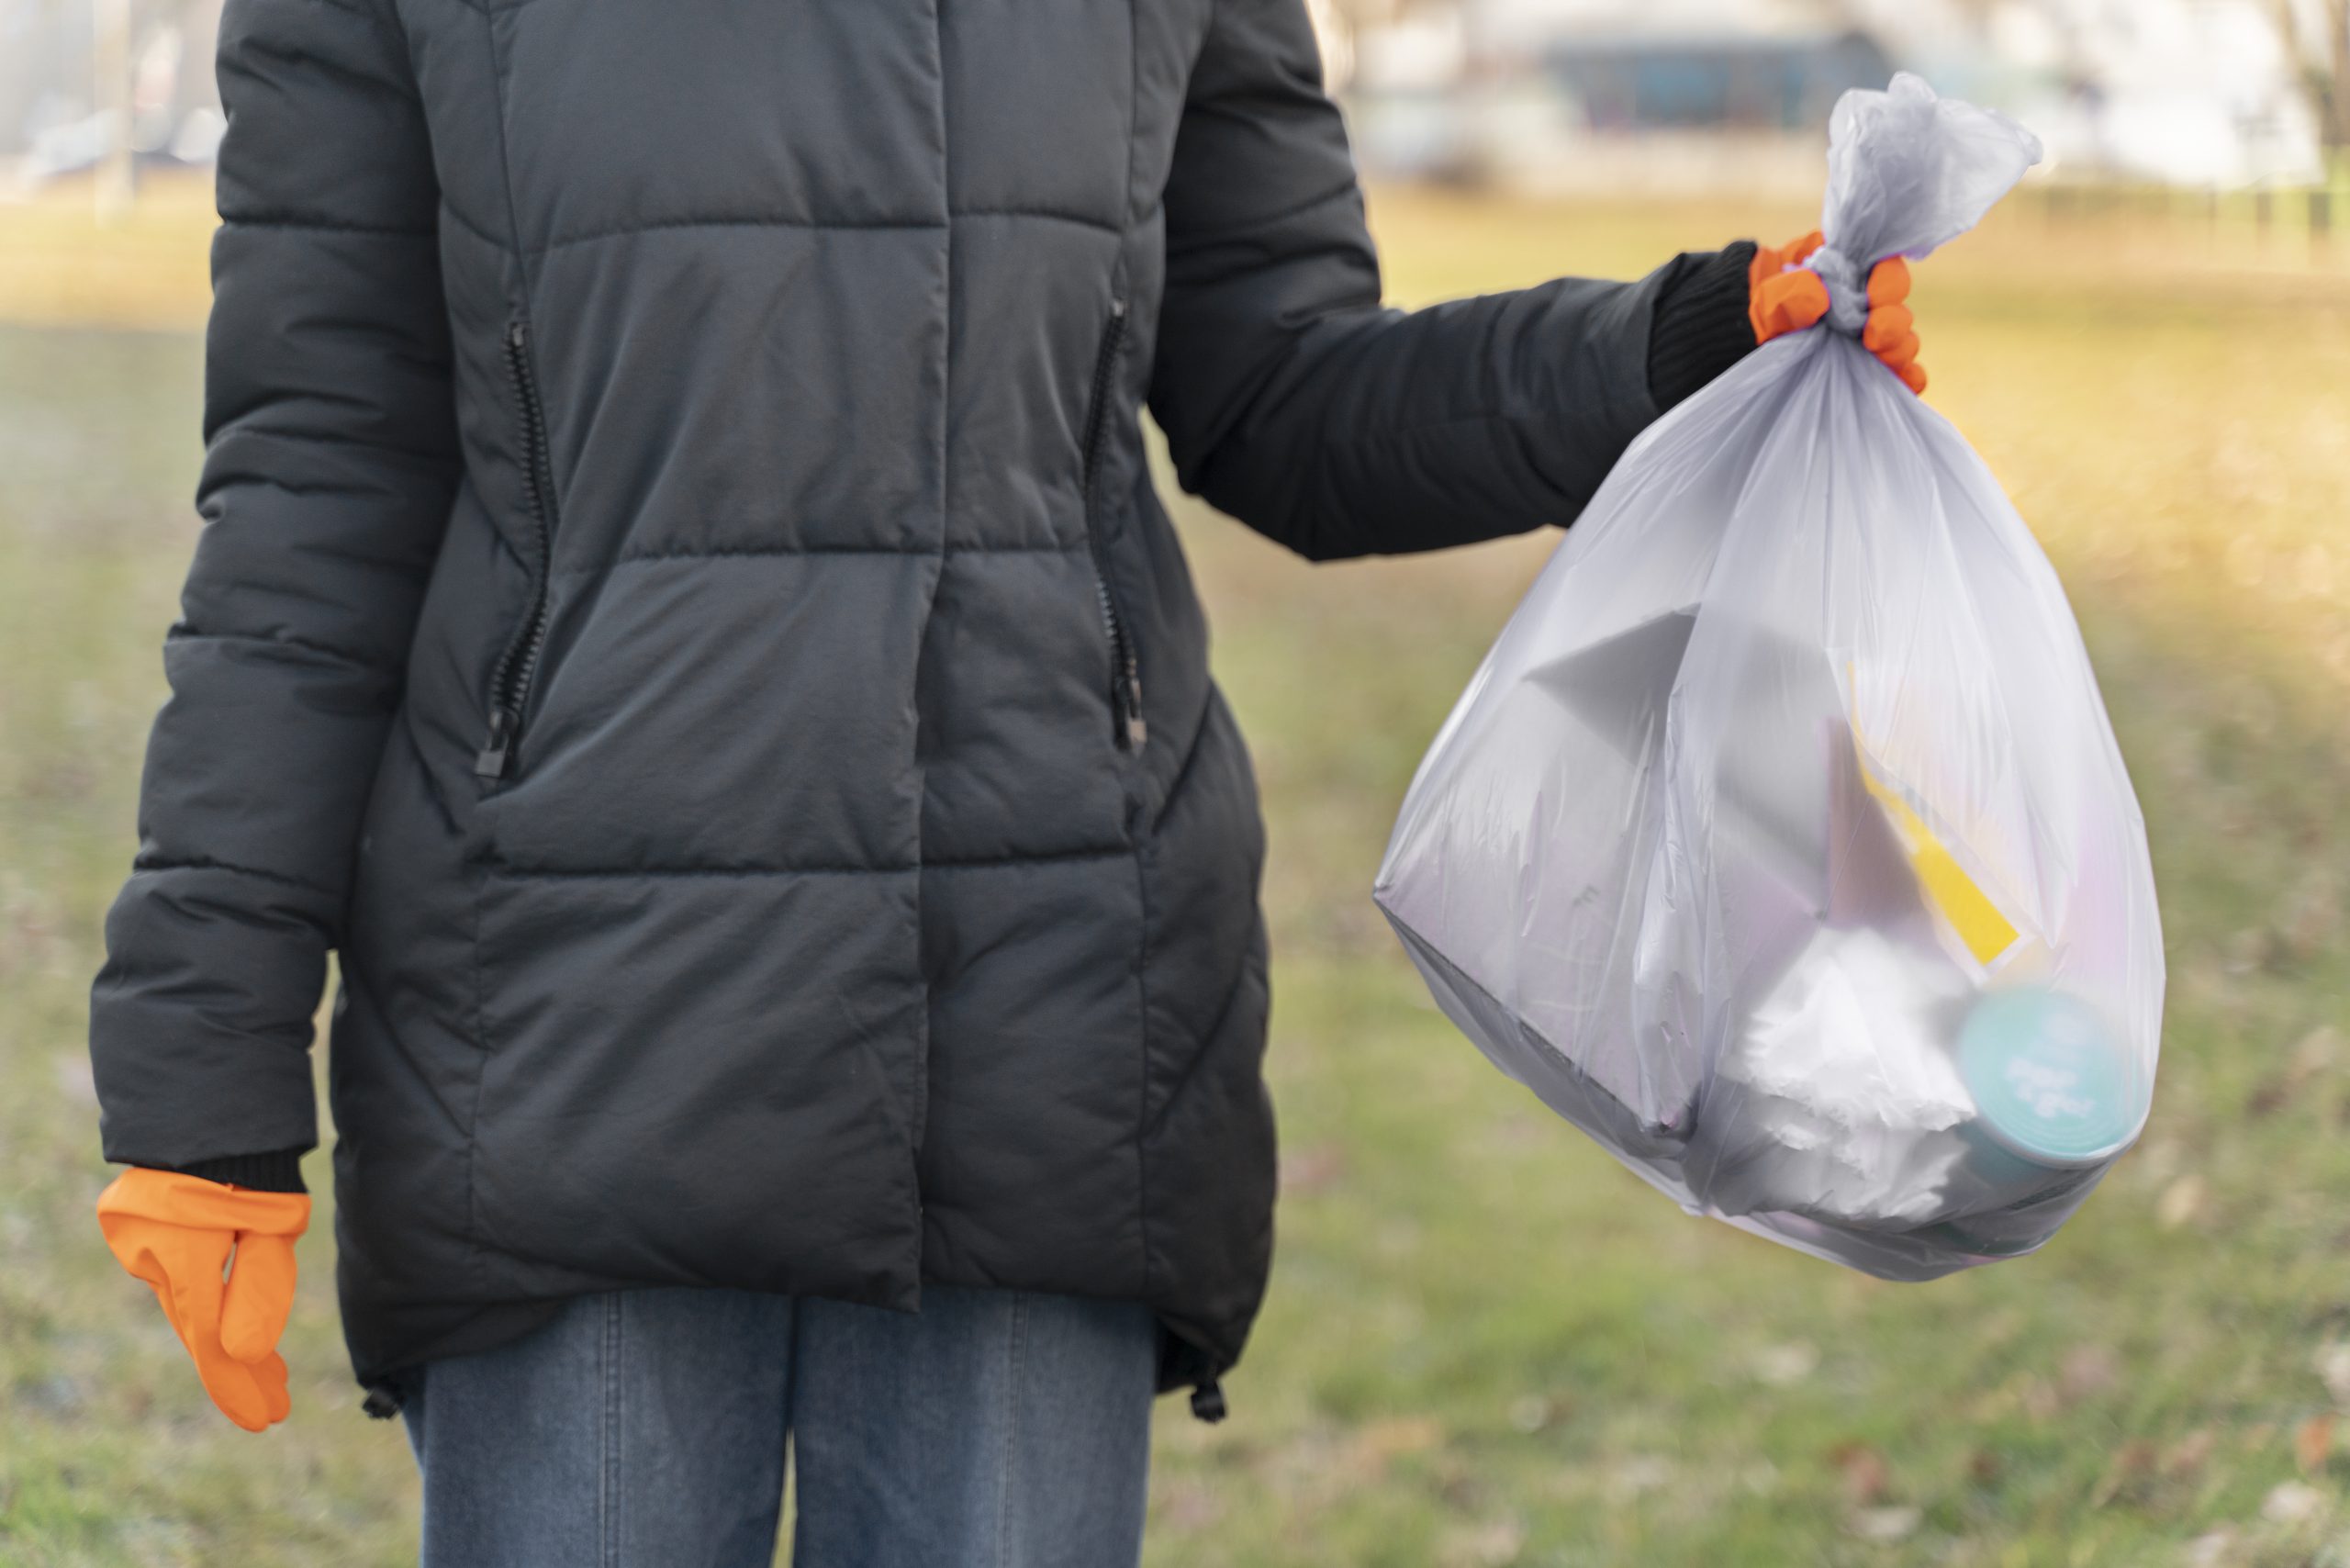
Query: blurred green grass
x=1485, y=1344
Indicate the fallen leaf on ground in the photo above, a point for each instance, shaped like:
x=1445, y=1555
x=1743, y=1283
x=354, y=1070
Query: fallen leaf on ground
x=1391, y=1438
x=1187, y=1506
x=2182, y=1201
x=1642, y=1472
x=1864, y=1471
x=2188, y=1455
x=2132, y=1463
x=2156, y=1159
x=1313, y=1171
x=1897, y=1523
x=1782, y=1365
x=2212, y=1548
x=2332, y=1361
x=2313, y=1443
x=2088, y=1370
x=2291, y=1502
x=2315, y=1056
x=1488, y=1545
x=2270, y=1097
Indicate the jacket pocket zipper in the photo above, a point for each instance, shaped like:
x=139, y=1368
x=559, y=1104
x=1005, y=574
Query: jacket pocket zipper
x=518, y=666
x=1126, y=667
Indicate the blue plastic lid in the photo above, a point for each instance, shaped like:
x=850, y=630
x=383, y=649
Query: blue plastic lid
x=2048, y=1079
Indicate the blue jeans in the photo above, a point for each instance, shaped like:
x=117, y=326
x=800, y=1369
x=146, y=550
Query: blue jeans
x=995, y=1429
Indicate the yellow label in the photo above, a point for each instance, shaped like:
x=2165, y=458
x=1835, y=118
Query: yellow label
x=1969, y=910
x=1987, y=933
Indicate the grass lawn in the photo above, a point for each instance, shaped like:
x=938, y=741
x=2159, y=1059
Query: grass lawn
x=1485, y=1344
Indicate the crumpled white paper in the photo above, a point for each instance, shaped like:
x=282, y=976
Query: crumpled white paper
x=1848, y=1058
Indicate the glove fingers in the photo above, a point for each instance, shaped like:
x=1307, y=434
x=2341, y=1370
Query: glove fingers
x=1787, y=302
x=194, y=1267
x=1887, y=325
x=260, y=1295
x=1889, y=282
x=1913, y=377
x=1768, y=262
x=240, y=1391
x=1901, y=353
x=269, y=1374
x=194, y=1307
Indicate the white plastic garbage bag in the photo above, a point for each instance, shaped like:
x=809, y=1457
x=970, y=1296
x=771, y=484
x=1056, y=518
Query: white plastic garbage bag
x=1782, y=843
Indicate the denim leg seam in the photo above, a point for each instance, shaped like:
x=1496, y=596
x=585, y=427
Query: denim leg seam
x=607, y=1480
x=1008, y=1454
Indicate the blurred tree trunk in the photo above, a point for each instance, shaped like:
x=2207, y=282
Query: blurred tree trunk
x=2316, y=38
x=2075, y=58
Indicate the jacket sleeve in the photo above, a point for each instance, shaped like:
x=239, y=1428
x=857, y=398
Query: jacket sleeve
x=329, y=464
x=1291, y=400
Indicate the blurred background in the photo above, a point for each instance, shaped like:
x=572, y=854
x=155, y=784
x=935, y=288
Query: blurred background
x=1485, y=1344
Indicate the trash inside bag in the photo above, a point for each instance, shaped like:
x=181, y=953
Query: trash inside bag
x=1782, y=843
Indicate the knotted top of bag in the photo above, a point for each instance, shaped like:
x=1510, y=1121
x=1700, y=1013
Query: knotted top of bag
x=1908, y=173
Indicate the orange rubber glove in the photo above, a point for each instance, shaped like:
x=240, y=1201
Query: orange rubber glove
x=179, y=1233
x=1788, y=298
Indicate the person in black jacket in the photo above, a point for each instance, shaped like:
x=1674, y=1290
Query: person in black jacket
x=683, y=615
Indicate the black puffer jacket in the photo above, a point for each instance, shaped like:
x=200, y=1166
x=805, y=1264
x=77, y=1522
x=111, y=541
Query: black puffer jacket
x=684, y=616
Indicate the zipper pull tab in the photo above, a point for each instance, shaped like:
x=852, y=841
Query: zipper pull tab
x=496, y=754
x=1207, y=1401
x=1132, y=729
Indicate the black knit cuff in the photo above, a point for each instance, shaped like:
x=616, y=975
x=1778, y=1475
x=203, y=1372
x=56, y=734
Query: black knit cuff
x=1701, y=327
x=280, y=1170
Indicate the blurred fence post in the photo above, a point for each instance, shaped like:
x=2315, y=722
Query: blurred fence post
x=2308, y=218
x=110, y=91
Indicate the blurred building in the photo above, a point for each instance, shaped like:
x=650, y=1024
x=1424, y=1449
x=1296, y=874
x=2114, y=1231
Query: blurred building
x=1759, y=82
x=1697, y=94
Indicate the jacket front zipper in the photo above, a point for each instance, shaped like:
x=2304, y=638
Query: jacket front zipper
x=510, y=686
x=1126, y=668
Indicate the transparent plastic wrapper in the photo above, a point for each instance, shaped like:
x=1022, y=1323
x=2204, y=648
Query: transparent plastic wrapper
x=1782, y=843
